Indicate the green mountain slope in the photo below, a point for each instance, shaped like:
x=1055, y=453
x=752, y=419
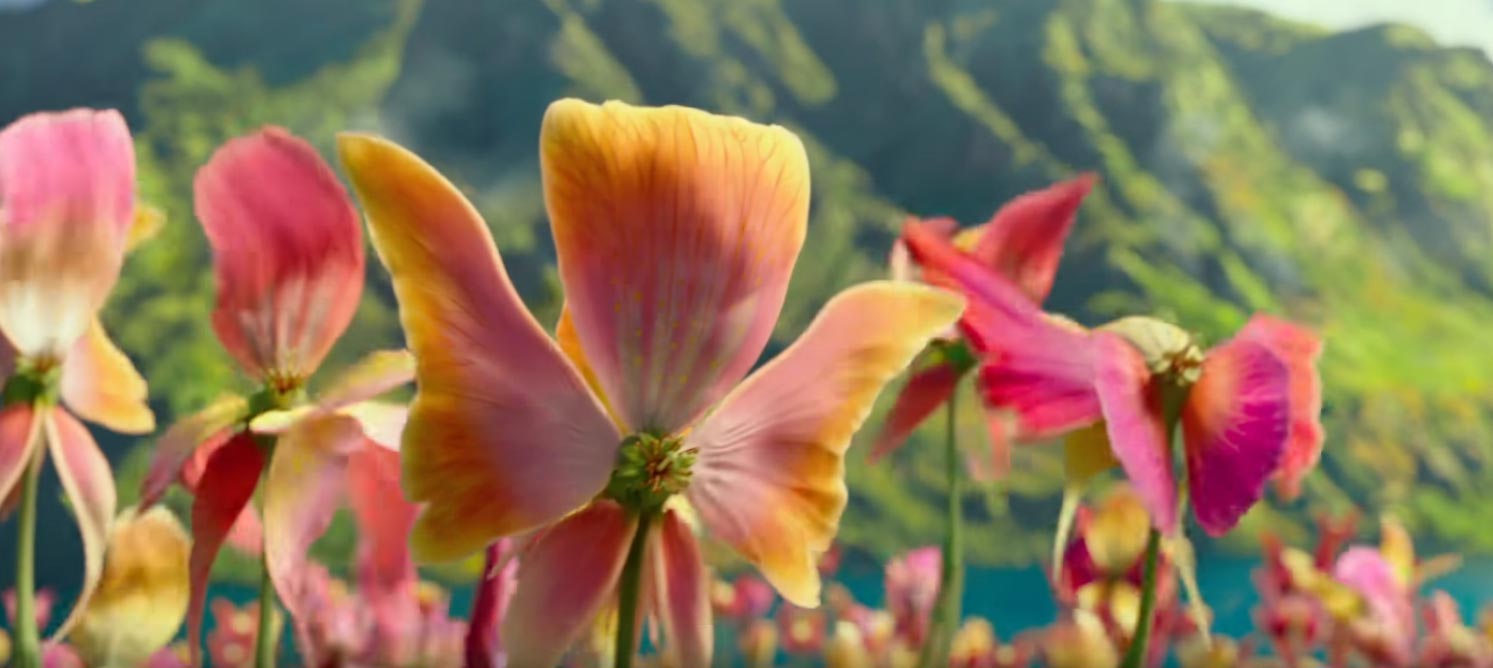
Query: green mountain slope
x=1247, y=163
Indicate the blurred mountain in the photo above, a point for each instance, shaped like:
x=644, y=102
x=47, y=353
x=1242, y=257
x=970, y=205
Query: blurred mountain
x=1247, y=163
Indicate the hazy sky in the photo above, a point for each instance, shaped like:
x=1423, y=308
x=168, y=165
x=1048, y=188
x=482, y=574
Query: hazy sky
x=1459, y=22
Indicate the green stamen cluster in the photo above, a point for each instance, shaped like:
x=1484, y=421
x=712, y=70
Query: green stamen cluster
x=650, y=469
x=35, y=381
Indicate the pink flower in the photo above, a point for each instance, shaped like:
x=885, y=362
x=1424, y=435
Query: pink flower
x=912, y=590
x=676, y=233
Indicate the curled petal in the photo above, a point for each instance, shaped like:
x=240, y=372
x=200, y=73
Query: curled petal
x=1235, y=425
x=1137, y=429
x=19, y=432
x=287, y=250
x=383, y=423
x=303, y=489
x=176, y=447
x=925, y=391
x=227, y=485
x=379, y=372
x=1299, y=348
x=503, y=435
x=101, y=385
x=484, y=641
x=89, y=483
x=681, y=592
x=1024, y=241
x=142, y=598
x=770, y=477
x=676, y=232
x=564, y=580
x=67, y=197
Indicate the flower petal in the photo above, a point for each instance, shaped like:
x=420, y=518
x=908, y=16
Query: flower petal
x=1299, y=348
x=287, y=250
x=67, y=187
x=676, y=232
x=384, y=519
x=1390, y=603
x=926, y=390
x=379, y=372
x=142, y=598
x=484, y=641
x=503, y=436
x=1024, y=241
x=1235, y=426
x=89, y=483
x=382, y=422
x=680, y=595
x=900, y=263
x=227, y=485
x=1137, y=429
x=19, y=431
x=176, y=447
x=101, y=385
x=564, y=580
x=303, y=489
x=770, y=477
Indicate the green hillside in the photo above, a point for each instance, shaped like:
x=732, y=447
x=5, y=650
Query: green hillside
x=1247, y=163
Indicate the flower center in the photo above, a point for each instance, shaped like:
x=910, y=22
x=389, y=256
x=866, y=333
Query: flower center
x=650, y=469
x=36, y=380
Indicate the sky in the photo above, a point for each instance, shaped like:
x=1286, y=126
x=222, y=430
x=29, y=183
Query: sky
x=1451, y=22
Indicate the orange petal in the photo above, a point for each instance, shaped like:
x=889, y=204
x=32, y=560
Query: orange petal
x=101, y=385
x=503, y=436
x=176, y=447
x=770, y=478
x=680, y=594
x=89, y=483
x=379, y=372
x=304, y=487
x=676, y=232
x=67, y=188
x=564, y=580
x=287, y=252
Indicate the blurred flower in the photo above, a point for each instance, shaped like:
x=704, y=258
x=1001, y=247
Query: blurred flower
x=912, y=582
x=801, y=631
x=1079, y=642
x=1198, y=651
x=974, y=645
x=846, y=649
x=676, y=233
x=142, y=597
x=1449, y=643
x=67, y=184
x=1387, y=632
x=1023, y=242
x=235, y=631
x=1115, y=535
x=288, y=255
x=45, y=599
x=759, y=643
x=744, y=599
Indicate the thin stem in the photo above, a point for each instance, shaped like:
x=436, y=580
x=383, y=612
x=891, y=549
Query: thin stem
x=627, y=594
x=28, y=636
x=267, y=640
x=946, y=611
x=1135, y=657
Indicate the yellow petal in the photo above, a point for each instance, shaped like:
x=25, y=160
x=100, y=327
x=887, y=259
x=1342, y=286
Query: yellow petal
x=101, y=385
x=142, y=598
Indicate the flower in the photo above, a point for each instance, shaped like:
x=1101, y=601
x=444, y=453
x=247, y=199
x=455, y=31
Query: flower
x=288, y=254
x=67, y=201
x=1022, y=242
x=235, y=632
x=142, y=597
x=912, y=583
x=676, y=232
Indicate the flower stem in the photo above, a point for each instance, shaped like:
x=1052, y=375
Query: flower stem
x=946, y=610
x=627, y=594
x=1135, y=657
x=28, y=636
x=266, y=641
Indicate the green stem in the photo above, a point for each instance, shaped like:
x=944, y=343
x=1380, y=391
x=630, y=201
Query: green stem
x=266, y=640
x=1135, y=657
x=28, y=636
x=627, y=594
x=946, y=611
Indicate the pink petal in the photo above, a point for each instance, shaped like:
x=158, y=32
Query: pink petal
x=303, y=489
x=1136, y=427
x=681, y=592
x=769, y=479
x=903, y=267
x=993, y=464
x=1024, y=241
x=67, y=197
x=287, y=249
x=503, y=435
x=175, y=448
x=1235, y=426
x=247, y=533
x=565, y=579
x=18, y=439
x=226, y=487
x=926, y=390
x=1365, y=571
x=89, y=483
x=676, y=232
x=484, y=642
x=376, y=374
x=384, y=519
x=1299, y=348
x=101, y=385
